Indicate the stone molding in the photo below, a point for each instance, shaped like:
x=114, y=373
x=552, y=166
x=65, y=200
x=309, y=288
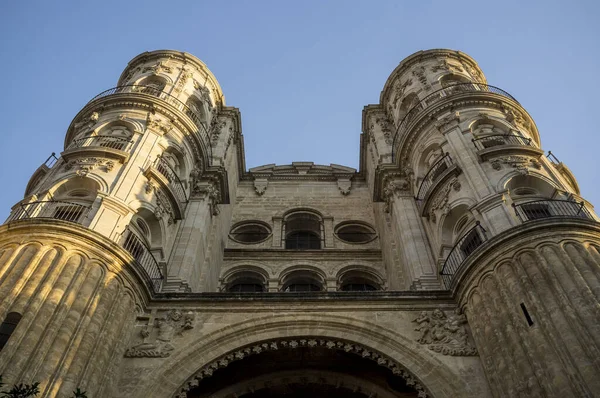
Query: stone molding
x=276, y=344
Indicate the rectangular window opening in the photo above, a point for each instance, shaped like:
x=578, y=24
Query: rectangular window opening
x=527, y=316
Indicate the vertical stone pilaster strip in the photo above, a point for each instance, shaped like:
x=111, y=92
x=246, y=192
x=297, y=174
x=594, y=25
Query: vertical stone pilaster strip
x=97, y=315
x=66, y=338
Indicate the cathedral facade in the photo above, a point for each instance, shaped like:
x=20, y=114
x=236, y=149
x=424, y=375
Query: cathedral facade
x=145, y=260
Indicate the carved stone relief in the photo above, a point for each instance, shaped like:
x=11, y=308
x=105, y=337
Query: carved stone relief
x=83, y=166
x=158, y=68
x=443, y=122
x=446, y=66
x=207, y=190
x=419, y=73
x=157, y=340
x=204, y=93
x=399, y=90
x=344, y=185
x=444, y=334
x=163, y=204
x=86, y=124
x=395, y=184
x=520, y=163
x=441, y=199
x=157, y=124
x=260, y=186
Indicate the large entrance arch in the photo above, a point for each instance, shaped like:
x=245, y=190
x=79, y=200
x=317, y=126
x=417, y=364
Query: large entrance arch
x=333, y=354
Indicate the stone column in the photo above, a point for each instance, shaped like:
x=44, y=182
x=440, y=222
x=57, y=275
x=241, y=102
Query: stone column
x=412, y=238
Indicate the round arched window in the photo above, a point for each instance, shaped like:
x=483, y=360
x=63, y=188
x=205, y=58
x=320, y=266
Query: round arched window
x=302, y=281
x=250, y=232
x=355, y=233
x=245, y=282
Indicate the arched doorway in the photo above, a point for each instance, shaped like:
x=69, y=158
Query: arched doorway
x=315, y=368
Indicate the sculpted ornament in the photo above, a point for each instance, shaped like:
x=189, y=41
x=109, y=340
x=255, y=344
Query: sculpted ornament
x=331, y=344
x=260, y=186
x=85, y=165
x=157, y=124
x=520, y=163
x=446, y=120
x=446, y=66
x=87, y=123
x=344, y=185
x=158, y=68
x=204, y=93
x=419, y=73
x=441, y=200
x=161, y=334
x=208, y=190
x=394, y=187
x=399, y=90
x=446, y=335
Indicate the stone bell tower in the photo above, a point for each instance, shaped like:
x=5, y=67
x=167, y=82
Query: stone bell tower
x=475, y=207
x=143, y=181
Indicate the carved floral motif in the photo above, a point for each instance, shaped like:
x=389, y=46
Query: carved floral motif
x=274, y=345
x=260, y=186
x=207, y=190
x=419, y=73
x=446, y=335
x=446, y=120
x=446, y=66
x=161, y=334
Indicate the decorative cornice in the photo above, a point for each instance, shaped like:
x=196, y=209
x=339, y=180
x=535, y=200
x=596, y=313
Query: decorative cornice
x=180, y=56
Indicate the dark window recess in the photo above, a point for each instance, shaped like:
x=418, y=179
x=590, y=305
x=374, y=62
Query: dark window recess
x=8, y=327
x=303, y=240
x=471, y=242
x=527, y=316
x=303, y=287
x=438, y=171
x=246, y=288
x=536, y=210
x=358, y=287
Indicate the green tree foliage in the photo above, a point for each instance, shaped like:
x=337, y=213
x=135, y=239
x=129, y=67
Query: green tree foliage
x=29, y=390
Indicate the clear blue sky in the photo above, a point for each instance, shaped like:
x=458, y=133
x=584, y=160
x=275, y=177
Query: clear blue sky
x=300, y=71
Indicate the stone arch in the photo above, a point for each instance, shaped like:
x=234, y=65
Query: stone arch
x=244, y=273
x=390, y=348
x=357, y=271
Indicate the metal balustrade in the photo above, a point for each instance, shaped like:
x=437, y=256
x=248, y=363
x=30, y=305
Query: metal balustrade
x=104, y=141
x=51, y=161
x=553, y=158
x=539, y=209
x=143, y=256
x=155, y=92
x=433, y=175
x=490, y=141
x=56, y=209
x=175, y=183
x=466, y=245
x=439, y=95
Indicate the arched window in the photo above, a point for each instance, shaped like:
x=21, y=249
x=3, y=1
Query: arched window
x=357, y=280
x=153, y=85
x=302, y=281
x=197, y=107
x=248, y=279
x=303, y=231
x=8, y=326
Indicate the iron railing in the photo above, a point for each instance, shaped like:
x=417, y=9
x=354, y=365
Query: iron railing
x=105, y=141
x=59, y=210
x=438, y=95
x=51, y=161
x=500, y=139
x=175, y=183
x=466, y=245
x=547, y=208
x=432, y=176
x=553, y=158
x=155, y=92
x=140, y=251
